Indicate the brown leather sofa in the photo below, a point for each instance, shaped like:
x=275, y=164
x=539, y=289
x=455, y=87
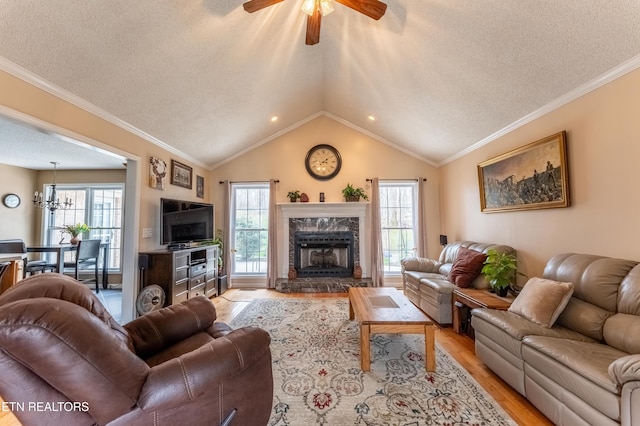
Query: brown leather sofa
x=65, y=361
x=585, y=369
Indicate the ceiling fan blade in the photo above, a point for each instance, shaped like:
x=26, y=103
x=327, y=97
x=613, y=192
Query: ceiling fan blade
x=372, y=8
x=255, y=5
x=313, y=27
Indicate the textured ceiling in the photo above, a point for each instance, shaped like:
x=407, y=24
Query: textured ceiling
x=205, y=76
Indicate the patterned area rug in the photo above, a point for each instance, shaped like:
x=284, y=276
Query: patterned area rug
x=318, y=381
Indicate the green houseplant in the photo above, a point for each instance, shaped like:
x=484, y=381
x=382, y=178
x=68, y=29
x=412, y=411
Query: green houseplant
x=75, y=230
x=219, y=240
x=500, y=270
x=354, y=194
x=293, y=195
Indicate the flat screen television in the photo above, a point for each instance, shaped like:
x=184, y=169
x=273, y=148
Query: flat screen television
x=185, y=221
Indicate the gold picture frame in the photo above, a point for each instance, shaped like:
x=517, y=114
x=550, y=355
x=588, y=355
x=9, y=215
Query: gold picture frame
x=181, y=175
x=534, y=176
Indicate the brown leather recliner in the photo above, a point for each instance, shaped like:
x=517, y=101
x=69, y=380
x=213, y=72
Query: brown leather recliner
x=65, y=361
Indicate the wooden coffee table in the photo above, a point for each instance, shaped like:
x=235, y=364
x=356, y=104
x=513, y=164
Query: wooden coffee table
x=472, y=298
x=385, y=310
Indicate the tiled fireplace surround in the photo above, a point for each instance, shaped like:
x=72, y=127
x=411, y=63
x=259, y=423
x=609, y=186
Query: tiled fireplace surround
x=323, y=217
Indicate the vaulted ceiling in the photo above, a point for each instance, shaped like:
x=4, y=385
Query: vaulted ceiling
x=206, y=77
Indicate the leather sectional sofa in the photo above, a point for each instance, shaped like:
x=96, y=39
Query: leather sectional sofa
x=426, y=284
x=585, y=368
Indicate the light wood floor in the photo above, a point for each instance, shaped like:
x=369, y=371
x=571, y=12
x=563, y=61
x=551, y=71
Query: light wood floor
x=460, y=347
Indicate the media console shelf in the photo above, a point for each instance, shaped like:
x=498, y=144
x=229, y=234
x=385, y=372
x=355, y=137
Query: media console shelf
x=183, y=274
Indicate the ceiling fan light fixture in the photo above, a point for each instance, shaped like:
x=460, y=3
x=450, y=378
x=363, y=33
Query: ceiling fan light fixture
x=308, y=7
x=324, y=6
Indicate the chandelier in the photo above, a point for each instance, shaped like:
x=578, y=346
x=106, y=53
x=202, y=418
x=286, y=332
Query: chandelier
x=52, y=203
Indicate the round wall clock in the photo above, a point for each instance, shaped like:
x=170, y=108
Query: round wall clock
x=11, y=200
x=323, y=162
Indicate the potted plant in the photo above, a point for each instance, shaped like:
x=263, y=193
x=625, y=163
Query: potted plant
x=354, y=194
x=500, y=270
x=222, y=277
x=75, y=231
x=293, y=195
x=219, y=240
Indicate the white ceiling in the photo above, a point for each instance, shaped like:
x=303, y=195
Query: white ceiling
x=25, y=146
x=205, y=77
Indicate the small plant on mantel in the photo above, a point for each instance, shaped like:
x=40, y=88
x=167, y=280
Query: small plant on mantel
x=354, y=194
x=293, y=196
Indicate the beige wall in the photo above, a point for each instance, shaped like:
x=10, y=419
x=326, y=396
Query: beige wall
x=362, y=157
x=24, y=98
x=18, y=222
x=603, y=150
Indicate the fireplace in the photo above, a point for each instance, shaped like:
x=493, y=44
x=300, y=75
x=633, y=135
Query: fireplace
x=323, y=254
x=319, y=218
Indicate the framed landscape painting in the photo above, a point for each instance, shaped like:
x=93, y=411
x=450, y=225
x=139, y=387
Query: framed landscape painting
x=181, y=175
x=534, y=176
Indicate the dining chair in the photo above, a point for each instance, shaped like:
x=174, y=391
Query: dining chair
x=30, y=266
x=87, y=256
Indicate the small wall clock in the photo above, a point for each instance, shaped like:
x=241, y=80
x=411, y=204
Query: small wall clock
x=323, y=162
x=11, y=200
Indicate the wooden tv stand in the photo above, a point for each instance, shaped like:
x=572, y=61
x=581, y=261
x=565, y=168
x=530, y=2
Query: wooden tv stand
x=184, y=273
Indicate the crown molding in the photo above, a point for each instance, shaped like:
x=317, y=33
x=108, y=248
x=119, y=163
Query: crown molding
x=267, y=140
x=611, y=75
x=379, y=138
x=39, y=82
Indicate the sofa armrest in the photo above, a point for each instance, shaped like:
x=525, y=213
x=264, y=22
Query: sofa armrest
x=420, y=264
x=625, y=369
x=160, y=329
x=202, y=371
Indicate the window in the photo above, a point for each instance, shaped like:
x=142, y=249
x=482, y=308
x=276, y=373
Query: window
x=250, y=223
x=398, y=222
x=100, y=207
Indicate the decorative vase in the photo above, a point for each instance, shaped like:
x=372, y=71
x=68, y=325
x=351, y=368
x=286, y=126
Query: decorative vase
x=304, y=198
x=293, y=274
x=357, y=271
x=502, y=292
x=74, y=241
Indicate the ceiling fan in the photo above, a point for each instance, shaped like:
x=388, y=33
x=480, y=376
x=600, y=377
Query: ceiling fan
x=317, y=8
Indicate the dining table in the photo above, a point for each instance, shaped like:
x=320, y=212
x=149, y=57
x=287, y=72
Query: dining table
x=60, y=249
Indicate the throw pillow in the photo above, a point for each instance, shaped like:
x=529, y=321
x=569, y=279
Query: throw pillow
x=467, y=267
x=542, y=301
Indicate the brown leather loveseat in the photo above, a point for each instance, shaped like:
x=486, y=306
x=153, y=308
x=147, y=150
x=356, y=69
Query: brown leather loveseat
x=65, y=361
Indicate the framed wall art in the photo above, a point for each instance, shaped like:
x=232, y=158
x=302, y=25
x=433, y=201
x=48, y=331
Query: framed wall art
x=199, y=186
x=181, y=175
x=534, y=176
x=157, y=172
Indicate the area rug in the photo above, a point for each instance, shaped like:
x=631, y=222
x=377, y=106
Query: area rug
x=318, y=380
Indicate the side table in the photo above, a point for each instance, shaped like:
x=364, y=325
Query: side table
x=467, y=299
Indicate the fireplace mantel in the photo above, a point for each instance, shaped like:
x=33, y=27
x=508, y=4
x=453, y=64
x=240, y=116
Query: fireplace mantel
x=312, y=210
x=323, y=209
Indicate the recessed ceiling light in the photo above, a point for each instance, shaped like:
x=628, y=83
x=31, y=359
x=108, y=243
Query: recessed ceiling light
x=371, y=117
x=274, y=118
